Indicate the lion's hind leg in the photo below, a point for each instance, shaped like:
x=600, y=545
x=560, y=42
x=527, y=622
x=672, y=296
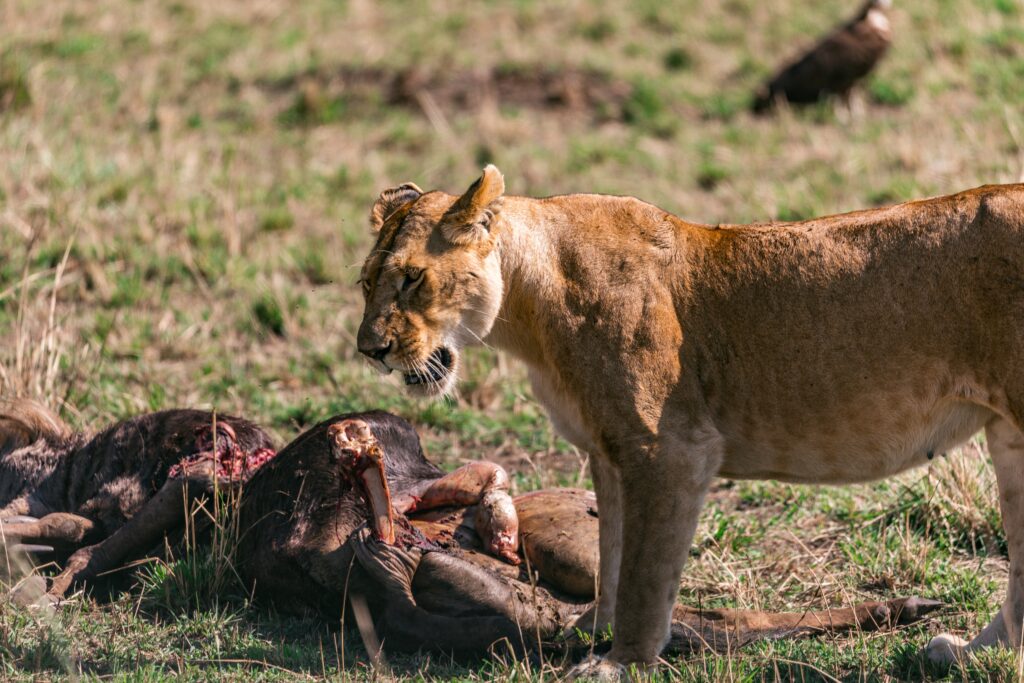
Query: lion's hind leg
x=1006, y=445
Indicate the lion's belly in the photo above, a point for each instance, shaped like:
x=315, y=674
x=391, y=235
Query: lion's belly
x=565, y=414
x=841, y=452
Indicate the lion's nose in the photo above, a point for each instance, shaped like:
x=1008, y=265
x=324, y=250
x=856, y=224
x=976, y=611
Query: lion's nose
x=377, y=353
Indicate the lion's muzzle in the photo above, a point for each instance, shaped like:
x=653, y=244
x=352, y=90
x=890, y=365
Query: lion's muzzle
x=435, y=370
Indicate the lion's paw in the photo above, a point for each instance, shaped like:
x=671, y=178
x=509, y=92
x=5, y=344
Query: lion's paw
x=596, y=668
x=945, y=648
x=587, y=627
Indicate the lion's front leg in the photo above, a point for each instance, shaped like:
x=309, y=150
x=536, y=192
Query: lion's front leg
x=662, y=491
x=599, y=618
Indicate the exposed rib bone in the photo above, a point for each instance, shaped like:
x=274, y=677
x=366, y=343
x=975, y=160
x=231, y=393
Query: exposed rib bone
x=358, y=453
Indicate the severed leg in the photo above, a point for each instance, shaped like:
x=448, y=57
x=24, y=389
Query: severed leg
x=164, y=512
x=465, y=486
x=362, y=461
x=483, y=484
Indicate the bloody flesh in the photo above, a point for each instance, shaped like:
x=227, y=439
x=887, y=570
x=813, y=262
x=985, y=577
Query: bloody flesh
x=219, y=444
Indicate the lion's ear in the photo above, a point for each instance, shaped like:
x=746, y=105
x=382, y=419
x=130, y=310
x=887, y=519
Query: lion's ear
x=390, y=201
x=469, y=218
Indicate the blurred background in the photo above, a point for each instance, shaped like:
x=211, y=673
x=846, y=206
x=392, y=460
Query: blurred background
x=184, y=188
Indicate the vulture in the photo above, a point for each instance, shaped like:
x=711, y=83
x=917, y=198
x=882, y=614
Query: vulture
x=835, y=64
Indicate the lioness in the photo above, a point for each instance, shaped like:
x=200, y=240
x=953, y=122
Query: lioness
x=835, y=350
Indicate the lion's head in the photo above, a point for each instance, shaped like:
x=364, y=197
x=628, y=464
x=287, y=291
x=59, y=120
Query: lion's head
x=432, y=283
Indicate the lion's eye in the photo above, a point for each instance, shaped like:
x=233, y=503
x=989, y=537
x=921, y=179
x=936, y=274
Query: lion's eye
x=412, y=278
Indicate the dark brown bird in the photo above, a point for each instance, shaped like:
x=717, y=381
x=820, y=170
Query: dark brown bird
x=835, y=64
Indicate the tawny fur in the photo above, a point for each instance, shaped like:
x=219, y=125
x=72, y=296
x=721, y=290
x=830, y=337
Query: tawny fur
x=836, y=350
x=22, y=421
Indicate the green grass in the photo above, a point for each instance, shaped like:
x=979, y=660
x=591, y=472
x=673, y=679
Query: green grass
x=208, y=170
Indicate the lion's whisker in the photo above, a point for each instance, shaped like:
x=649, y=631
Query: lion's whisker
x=477, y=310
x=477, y=336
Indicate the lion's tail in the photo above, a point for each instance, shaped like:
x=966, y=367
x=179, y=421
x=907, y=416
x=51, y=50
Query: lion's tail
x=24, y=421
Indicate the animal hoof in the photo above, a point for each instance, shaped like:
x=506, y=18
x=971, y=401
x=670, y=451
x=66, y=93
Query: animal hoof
x=945, y=649
x=595, y=668
x=31, y=592
x=915, y=608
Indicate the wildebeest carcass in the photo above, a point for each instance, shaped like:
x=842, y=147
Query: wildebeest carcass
x=96, y=501
x=350, y=513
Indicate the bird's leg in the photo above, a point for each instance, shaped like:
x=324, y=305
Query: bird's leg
x=858, y=106
x=849, y=108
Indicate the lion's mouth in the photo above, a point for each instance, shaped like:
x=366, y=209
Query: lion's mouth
x=434, y=371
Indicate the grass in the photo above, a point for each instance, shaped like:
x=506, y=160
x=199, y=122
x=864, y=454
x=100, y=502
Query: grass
x=183, y=192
